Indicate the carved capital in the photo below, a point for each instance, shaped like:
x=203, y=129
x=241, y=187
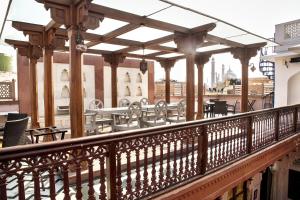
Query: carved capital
x=54, y=41
x=187, y=43
x=201, y=59
x=31, y=52
x=114, y=59
x=244, y=54
x=167, y=64
x=64, y=14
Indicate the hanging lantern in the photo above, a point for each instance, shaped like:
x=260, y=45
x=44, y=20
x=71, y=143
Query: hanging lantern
x=143, y=66
x=80, y=42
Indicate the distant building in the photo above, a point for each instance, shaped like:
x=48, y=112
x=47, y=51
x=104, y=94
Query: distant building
x=213, y=72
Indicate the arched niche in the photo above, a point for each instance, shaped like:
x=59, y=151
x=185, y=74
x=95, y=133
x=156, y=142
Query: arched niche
x=84, y=92
x=84, y=76
x=127, y=91
x=127, y=78
x=139, y=92
x=65, y=92
x=64, y=76
x=139, y=78
x=293, y=95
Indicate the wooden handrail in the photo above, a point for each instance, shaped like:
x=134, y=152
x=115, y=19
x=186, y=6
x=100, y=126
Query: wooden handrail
x=143, y=163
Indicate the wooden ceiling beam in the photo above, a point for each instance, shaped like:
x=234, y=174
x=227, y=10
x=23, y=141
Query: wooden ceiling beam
x=113, y=34
x=52, y=24
x=136, y=19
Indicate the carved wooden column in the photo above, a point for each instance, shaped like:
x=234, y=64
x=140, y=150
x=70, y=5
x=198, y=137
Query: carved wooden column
x=33, y=53
x=244, y=54
x=200, y=60
x=167, y=65
x=187, y=43
x=77, y=20
x=114, y=60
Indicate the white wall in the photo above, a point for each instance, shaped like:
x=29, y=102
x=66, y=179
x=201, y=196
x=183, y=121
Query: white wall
x=294, y=89
x=122, y=84
x=58, y=84
x=282, y=76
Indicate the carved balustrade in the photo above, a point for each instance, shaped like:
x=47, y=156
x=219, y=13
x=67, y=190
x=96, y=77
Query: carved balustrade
x=143, y=163
x=7, y=90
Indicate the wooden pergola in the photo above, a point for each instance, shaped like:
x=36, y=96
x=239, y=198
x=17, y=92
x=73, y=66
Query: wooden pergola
x=77, y=16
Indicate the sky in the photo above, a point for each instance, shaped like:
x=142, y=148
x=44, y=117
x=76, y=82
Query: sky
x=257, y=16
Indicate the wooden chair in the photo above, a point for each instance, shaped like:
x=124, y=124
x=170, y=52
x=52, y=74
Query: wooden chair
x=97, y=104
x=144, y=101
x=160, y=115
x=232, y=108
x=124, y=102
x=132, y=117
x=180, y=115
x=14, y=132
x=220, y=107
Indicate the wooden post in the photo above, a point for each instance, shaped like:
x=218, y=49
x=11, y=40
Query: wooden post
x=200, y=60
x=277, y=123
x=244, y=92
x=76, y=89
x=190, y=87
x=114, y=86
x=111, y=166
x=188, y=43
x=167, y=65
x=203, y=149
x=114, y=60
x=34, y=94
x=244, y=54
x=48, y=88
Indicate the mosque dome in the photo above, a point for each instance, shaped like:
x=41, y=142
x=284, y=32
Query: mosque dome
x=230, y=75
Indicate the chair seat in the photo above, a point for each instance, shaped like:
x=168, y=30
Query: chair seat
x=176, y=119
x=123, y=127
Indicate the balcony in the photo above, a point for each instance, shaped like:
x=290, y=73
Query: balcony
x=141, y=164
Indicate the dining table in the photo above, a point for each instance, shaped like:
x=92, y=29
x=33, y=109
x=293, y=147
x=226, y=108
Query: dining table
x=109, y=111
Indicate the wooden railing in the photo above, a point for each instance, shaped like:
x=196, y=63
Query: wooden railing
x=140, y=164
x=7, y=90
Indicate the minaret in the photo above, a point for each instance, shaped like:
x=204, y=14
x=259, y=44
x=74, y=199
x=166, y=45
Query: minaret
x=223, y=72
x=213, y=72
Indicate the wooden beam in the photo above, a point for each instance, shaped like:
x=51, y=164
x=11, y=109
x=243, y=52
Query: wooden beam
x=52, y=24
x=136, y=19
x=113, y=34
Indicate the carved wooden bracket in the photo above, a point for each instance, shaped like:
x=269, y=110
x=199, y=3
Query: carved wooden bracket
x=244, y=54
x=201, y=59
x=187, y=43
x=114, y=59
x=167, y=64
x=63, y=13
x=54, y=41
x=31, y=51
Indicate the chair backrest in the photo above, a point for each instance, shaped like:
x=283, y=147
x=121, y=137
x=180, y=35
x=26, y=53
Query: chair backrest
x=144, y=101
x=213, y=100
x=14, y=132
x=134, y=112
x=16, y=116
x=124, y=102
x=95, y=104
x=181, y=107
x=160, y=110
x=220, y=107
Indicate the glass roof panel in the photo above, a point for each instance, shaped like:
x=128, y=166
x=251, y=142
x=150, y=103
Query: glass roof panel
x=246, y=39
x=108, y=47
x=224, y=30
x=169, y=44
x=107, y=25
x=146, y=51
x=170, y=55
x=29, y=11
x=11, y=33
x=181, y=17
x=3, y=8
x=144, y=34
x=212, y=48
x=138, y=7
